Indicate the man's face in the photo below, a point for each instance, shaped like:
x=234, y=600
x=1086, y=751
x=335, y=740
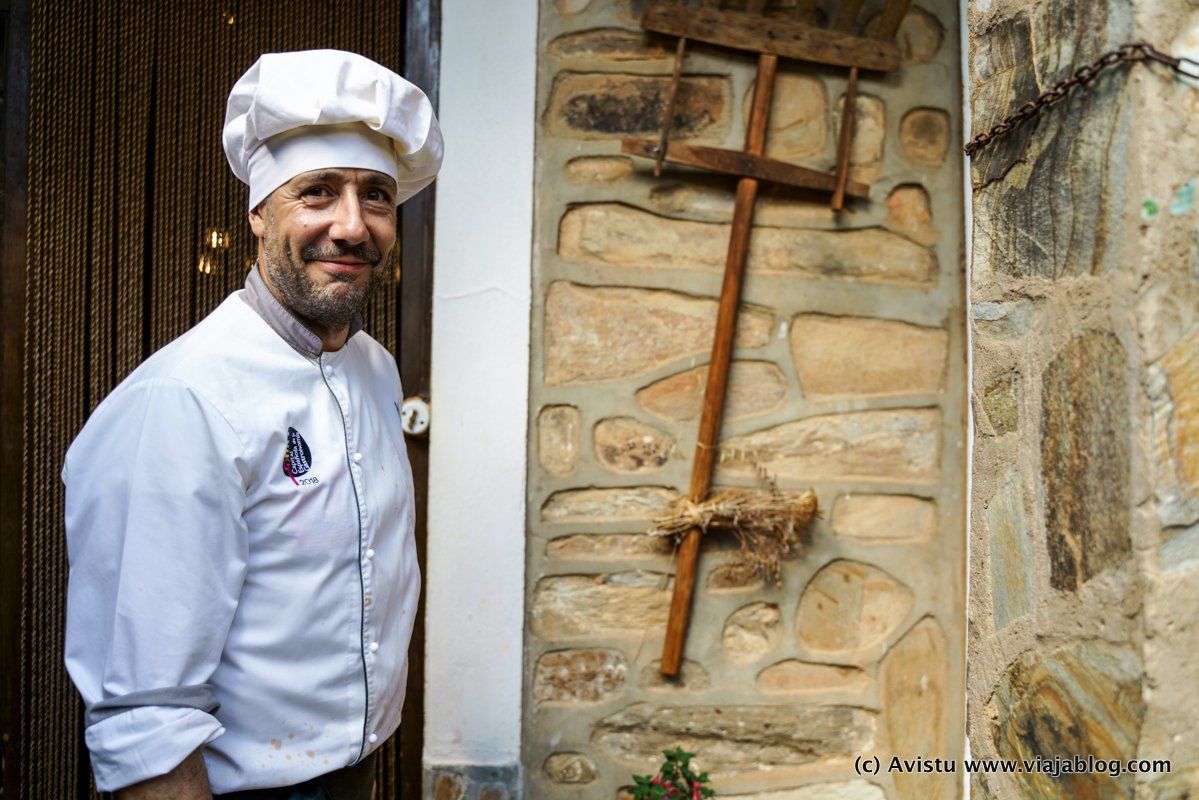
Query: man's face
x=324, y=238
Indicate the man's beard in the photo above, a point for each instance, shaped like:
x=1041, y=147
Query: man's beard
x=332, y=306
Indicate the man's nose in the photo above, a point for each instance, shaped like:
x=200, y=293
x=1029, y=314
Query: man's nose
x=348, y=223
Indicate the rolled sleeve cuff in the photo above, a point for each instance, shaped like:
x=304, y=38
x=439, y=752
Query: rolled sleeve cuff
x=144, y=742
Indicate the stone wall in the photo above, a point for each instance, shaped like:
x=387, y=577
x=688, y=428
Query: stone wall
x=1084, y=547
x=848, y=377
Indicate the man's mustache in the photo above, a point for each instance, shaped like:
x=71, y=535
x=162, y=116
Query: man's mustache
x=358, y=252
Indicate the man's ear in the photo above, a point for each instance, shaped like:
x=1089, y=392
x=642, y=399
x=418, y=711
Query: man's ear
x=258, y=219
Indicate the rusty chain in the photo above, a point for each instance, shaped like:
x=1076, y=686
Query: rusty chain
x=1083, y=75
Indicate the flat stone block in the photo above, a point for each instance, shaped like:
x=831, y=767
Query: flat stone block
x=1011, y=553
x=884, y=518
x=799, y=677
x=891, y=445
x=608, y=505
x=578, y=676
x=751, y=632
x=622, y=604
x=735, y=740
x=597, y=333
x=1085, y=458
x=861, y=356
x=849, y=606
x=606, y=105
x=914, y=678
x=624, y=445
x=612, y=234
x=613, y=547
x=558, y=439
x=754, y=387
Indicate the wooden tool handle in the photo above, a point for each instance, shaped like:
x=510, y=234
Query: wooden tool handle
x=671, y=98
x=718, y=369
x=848, y=114
x=844, y=19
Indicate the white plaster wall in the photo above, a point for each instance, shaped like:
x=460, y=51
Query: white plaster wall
x=968, y=237
x=480, y=375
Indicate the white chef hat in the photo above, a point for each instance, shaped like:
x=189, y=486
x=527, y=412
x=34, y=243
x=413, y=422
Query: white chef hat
x=295, y=112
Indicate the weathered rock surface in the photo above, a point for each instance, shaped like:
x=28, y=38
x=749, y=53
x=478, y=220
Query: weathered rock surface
x=449, y=787
x=608, y=45
x=1021, y=229
x=597, y=333
x=1181, y=368
x=884, y=518
x=605, y=105
x=578, y=676
x=1085, y=461
x=712, y=201
x=892, y=445
x=869, y=136
x=622, y=444
x=735, y=740
x=755, y=387
x=558, y=439
x=924, y=136
x=1085, y=699
x=909, y=212
x=615, y=604
x=1173, y=388
x=799, y=115
x=734, y=576
x=919, y=36
x=612, y=234
x=800, y=677
x=1003, y=320
x=1001, y=401
x=850, y=606
x=598, y=169
x=570, y=768
x=608, y=505
x=1011, y=553
x=614, y=546
x=842, y=356
x=915, y=698
x=751, y=632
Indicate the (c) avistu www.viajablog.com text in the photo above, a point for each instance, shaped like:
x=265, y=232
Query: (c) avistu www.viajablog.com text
x=1053, y=767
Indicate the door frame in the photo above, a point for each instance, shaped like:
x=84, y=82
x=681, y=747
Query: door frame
x=422, y=56
x=14, y=52
x=422, y=66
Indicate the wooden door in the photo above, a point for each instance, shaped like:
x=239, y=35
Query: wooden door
x=115, y=185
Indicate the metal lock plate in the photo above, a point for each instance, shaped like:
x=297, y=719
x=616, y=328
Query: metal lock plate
x=414, y=416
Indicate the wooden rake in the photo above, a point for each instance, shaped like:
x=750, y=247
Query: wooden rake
x=770, y=38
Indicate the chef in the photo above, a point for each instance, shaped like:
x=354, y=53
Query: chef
x=239, y=511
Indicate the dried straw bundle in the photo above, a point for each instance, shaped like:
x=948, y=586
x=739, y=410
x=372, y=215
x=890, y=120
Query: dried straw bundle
x=769, y=525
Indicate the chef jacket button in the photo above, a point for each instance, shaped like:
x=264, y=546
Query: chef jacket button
x=374, y=647
x=373, y=738
x=358, y=458
x=370, y=553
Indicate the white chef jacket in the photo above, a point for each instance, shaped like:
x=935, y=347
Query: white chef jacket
x=243, y=576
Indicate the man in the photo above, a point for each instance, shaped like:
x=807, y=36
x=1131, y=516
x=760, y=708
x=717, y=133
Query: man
x=239, y=510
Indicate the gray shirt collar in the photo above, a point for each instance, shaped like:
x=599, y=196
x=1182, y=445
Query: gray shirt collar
x=282, y=321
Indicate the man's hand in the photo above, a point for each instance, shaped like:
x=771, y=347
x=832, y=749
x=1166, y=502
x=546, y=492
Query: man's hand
x=188, y=781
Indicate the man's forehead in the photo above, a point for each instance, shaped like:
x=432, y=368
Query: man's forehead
x=367, y=177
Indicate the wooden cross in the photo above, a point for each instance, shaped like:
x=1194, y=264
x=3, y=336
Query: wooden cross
x=771, y=38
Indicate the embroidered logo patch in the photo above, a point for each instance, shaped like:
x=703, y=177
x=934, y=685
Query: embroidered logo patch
x=297, y=458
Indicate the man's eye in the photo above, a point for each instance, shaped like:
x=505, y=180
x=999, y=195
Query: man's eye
x=377, y=195
x=317, y=191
